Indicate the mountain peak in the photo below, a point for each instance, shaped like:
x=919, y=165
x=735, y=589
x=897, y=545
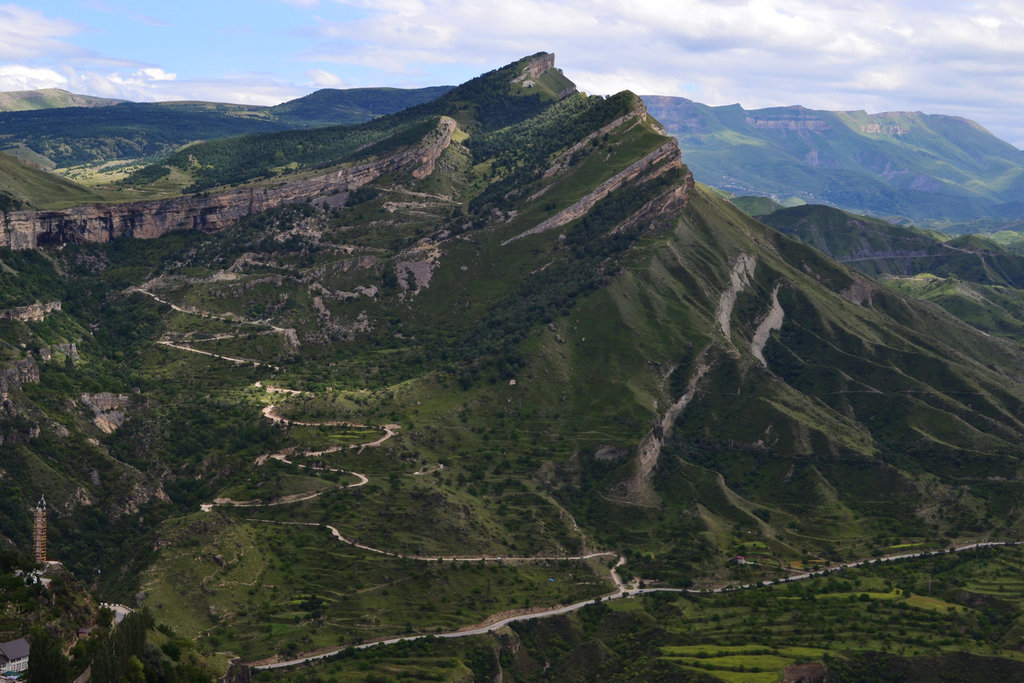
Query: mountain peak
x=539, y=72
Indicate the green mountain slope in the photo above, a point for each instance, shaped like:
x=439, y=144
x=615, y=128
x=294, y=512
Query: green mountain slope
x=49, y=98
x=488, y=102
x=935, y=169
x=22, y=186
x=74, y=135
x=972, y=277
x=879, y=248
x=353, y=105
x=473, y=386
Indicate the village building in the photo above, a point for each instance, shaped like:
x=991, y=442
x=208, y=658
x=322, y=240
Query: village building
x=14, y=655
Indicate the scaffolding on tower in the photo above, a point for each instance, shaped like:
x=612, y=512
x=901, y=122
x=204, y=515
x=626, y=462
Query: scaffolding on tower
x=39, y=530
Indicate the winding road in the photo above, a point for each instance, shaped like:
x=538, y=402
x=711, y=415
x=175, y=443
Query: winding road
x=495, y=622
x=621, y=592
x=270, y=413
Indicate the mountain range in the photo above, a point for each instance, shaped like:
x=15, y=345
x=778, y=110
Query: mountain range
x=54, y=129
x=932, y=170
x=936, y=171
x=499, y=352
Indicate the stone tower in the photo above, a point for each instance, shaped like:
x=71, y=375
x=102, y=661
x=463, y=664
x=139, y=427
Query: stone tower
x=39, y=530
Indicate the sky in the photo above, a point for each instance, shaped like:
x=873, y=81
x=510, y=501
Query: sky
x=935, y=56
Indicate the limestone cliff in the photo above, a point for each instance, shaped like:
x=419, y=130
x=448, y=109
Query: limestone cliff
x=538, y=65
x=104, y=222
x=799, y=121
x=21, y=372
x=32, y=312
x=107, y=408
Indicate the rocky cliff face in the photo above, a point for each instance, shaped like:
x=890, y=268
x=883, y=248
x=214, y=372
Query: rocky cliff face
x=21, y=372
x=70, y=350
x=880, y=129
x=538, y=65
x=104, y=222
x=33, y=312
x=107, y=408
x=795, y=122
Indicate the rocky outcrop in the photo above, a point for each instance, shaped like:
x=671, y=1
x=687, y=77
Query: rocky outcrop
x=104, y=222
x=536, y=67
x=638, y=113
x=879, y=129
x=660, y=160
x=798, y=121
x=104, y=401
x=21, y=372
x=772, y=321
x=31, y=313
x=70, y=350
x=107, y=408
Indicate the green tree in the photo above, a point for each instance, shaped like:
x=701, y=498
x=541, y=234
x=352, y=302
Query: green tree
x=135, y=672
x=46, y=661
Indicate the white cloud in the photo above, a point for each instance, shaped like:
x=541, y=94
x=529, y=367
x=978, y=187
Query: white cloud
x=18, y=77
x=848, y=54
x=26, y=33
x=142, y=78
x=938, y=56
x=156, y=74
x=324, y=79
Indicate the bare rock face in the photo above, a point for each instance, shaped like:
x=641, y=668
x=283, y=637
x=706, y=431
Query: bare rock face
x=537, y=66
x=31, y=313
x=21, y=372
x=879, y=129
x=107, y=408
x=798, y=119
x=104, y=222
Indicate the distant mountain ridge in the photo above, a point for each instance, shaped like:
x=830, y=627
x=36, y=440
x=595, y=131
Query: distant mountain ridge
x=63, y=130
x=905, y=166
x=50, y=98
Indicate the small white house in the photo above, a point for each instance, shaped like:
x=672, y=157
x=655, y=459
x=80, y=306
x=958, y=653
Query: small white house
x=14, y=655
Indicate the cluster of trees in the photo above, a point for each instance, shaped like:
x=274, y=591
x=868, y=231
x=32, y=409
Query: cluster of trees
x=521, y=152
x=118, y=655
x=115, y=655
x=26, y=277
x=9, y=202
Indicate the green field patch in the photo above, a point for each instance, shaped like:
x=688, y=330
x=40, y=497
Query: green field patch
x=926, y=602
x=273, y=487
x=626, y=605
x=753, y=648
x=749, y=663
x=316, y=438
